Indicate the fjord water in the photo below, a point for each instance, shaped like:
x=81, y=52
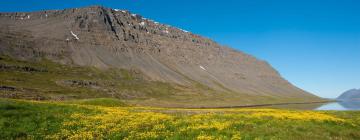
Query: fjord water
x=343, y=105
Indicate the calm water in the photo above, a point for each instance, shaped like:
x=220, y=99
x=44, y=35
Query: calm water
x=348, y=105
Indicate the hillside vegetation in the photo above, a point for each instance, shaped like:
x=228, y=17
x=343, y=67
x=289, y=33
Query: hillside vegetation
x=45, y=80
x=111, y=119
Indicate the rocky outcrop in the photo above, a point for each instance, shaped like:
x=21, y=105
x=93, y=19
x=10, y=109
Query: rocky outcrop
x=110, y=38
x=4, y=67
x=7, y=88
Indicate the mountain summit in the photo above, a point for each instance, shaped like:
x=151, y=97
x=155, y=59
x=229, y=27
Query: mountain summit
x=353, y=94
x=107, y=38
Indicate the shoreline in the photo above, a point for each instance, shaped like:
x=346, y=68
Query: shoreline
x=260, y=105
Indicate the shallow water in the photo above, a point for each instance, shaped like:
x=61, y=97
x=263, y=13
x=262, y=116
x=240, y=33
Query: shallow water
x=345, y=105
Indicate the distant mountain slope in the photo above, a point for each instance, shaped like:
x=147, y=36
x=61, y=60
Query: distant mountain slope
x=109, y=38
x=353, y=94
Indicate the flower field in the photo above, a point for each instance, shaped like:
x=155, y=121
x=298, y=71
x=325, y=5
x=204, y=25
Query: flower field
x=61, y=120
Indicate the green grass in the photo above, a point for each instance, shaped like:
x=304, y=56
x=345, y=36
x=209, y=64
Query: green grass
x=20, y=119
x=107, y=102
x=109, y=119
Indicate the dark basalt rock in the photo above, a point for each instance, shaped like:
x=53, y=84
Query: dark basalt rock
x=4, y=67
x=7, y=88
x=83, y=83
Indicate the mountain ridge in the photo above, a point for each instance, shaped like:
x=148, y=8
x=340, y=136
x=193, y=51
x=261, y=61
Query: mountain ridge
x=109, y=38
x=352, y=94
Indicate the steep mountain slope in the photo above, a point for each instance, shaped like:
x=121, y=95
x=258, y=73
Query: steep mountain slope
x=108, y=38
x=353, y=94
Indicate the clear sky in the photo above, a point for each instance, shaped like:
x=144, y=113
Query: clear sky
x=315, y=44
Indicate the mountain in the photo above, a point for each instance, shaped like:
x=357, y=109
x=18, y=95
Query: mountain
x=201, y=72
x=353, y=94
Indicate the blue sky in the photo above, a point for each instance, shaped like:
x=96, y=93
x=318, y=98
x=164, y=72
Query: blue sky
x=315, y=44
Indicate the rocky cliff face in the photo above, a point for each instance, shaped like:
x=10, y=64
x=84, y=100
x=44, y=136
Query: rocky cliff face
x=110, y=38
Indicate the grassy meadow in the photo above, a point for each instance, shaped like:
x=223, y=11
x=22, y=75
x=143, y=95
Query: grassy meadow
x=112, y=119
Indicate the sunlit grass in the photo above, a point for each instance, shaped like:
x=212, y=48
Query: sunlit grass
x=76, y=120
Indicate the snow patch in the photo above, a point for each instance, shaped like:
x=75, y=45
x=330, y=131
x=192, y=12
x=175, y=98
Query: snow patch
x=134, y=15
x=142, y=23
x=76, y=37
x=166, y=30
x=117, y=10
x=201, y=67
x=28, y=17
x=184, y=30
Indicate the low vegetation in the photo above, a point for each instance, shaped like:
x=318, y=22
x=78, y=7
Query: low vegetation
x=47, y=80
x=112, y=119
